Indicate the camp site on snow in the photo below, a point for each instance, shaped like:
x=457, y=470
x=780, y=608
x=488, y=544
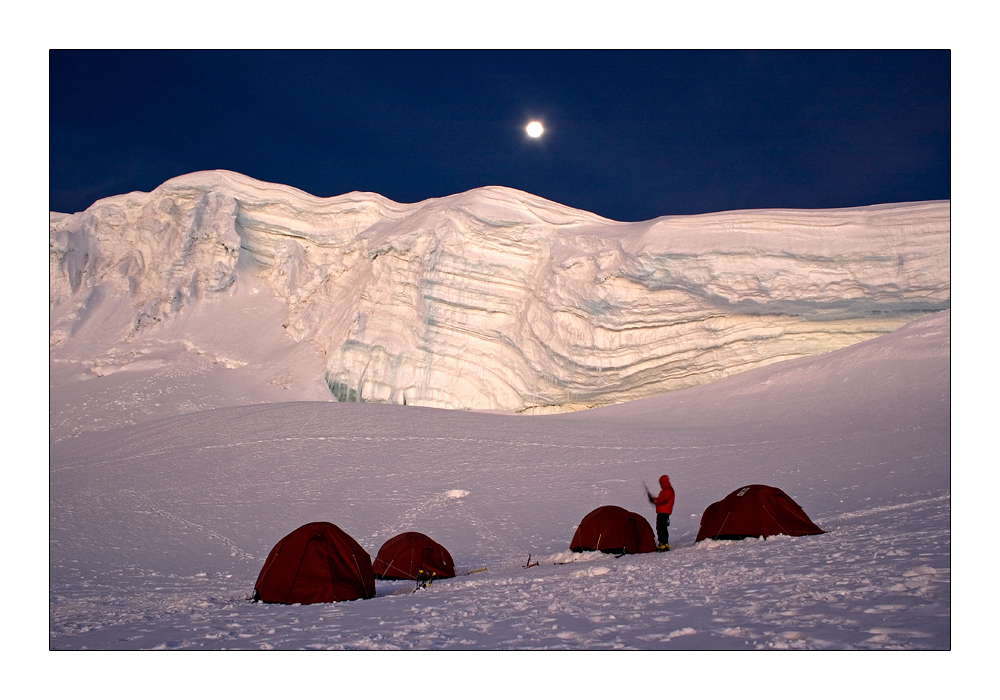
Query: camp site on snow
x=320, y=563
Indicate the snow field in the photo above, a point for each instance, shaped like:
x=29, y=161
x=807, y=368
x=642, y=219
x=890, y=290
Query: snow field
x=190, y=429
x=158, y=530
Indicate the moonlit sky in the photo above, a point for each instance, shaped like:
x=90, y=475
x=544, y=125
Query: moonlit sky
x=630, y=135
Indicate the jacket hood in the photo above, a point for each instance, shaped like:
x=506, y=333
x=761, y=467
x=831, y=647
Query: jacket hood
x=664, y=481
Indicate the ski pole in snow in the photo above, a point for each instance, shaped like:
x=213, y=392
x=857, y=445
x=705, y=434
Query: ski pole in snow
x=529, y=564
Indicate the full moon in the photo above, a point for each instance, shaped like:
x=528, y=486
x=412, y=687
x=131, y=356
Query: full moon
x=534, y=129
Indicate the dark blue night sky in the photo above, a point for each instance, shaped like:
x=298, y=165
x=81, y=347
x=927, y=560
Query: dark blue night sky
x=630, y=135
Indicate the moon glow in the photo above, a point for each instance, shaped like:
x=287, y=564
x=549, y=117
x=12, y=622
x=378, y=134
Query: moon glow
x=534, y=129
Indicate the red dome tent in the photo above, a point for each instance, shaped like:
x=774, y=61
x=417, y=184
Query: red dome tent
x=755, y=511
x=613, y=530
x=413, y=556
x=317, y=563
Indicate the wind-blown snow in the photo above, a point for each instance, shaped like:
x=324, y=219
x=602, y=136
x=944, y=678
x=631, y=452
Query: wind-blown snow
x=158, y=530
x=197, y=331
x=493, y=299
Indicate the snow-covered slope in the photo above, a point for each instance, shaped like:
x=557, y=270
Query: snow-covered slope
x=492, y=299
x=158, y=531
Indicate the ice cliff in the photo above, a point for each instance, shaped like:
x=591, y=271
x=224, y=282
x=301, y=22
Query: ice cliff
x=493, y=299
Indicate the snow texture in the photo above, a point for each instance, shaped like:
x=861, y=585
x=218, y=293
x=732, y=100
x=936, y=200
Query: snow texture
x=158, y=531
x=492, y=299
x=187, y=437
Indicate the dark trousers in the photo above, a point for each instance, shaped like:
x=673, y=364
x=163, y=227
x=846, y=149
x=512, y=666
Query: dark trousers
x=662, y=523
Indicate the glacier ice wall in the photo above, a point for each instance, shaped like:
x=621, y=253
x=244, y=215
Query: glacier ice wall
x=495, y=299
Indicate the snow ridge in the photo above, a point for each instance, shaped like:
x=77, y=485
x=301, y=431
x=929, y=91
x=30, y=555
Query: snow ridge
x=492, y=299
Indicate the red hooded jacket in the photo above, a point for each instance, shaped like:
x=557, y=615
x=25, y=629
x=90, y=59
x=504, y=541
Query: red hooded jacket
x=664, y=502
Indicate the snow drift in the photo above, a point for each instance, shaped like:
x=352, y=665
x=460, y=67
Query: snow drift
x=492, y=299
x=158, y=531
x=197, y=333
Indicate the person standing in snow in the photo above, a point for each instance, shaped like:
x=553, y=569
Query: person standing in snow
x=664, y=502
